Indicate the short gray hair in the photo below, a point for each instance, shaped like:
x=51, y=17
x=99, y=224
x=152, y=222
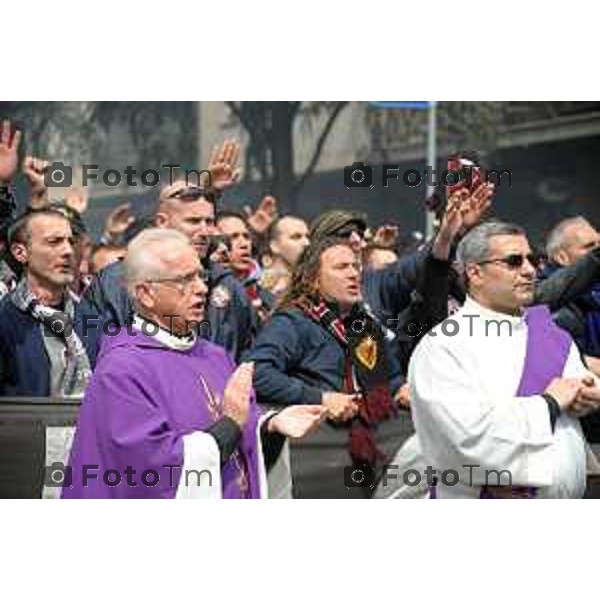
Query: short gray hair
x=475, y=246
x=146, y=252
x=556, y=238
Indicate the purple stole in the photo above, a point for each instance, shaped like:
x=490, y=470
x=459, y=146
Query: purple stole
x=546, y=354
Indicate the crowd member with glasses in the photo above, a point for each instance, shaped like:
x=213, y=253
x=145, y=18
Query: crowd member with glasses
x=166, y=414
x=497, y=389
x=191, y=210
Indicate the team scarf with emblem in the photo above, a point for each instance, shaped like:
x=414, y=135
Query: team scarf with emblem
x=69, y=362
x=366, y=372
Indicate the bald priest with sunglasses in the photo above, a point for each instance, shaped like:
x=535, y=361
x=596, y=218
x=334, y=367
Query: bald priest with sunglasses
x=497, y=390
x=166, y=414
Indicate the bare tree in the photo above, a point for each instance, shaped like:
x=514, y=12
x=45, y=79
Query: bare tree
x=270, y=152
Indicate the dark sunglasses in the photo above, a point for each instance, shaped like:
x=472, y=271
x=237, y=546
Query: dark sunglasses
x=191, y=193
x=514, y=261
x=346, y=232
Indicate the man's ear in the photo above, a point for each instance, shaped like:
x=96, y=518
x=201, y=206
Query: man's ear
x=561, y=258
x=274, y=247
x=145, y=295
x=19, y=251
x=161, y=219
x=473, y=276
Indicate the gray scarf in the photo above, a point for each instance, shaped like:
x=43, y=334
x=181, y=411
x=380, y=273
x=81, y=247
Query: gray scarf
x=69, y=365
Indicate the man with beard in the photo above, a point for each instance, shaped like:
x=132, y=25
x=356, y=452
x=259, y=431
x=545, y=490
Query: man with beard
x=166, y=414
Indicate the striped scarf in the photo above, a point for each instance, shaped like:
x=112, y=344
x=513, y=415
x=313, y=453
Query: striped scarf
x=366, y=372
x=69, y=365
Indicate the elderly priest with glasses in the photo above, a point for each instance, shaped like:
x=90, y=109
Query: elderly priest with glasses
x=497, y=392
x=166, y=414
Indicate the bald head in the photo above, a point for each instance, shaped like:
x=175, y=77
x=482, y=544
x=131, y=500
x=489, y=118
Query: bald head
x=288, y=238
x=570, y=240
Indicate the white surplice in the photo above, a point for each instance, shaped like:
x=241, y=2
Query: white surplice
x=465, y=410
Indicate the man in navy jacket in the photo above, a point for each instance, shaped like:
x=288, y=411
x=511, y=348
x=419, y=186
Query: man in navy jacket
x=42, y=349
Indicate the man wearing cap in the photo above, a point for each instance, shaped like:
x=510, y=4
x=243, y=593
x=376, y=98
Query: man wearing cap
x=387, y=291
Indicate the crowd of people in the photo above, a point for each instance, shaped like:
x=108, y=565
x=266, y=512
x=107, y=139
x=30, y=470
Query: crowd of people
x=203, y=339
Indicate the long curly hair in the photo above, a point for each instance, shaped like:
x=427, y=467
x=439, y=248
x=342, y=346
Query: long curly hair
x=303, y=290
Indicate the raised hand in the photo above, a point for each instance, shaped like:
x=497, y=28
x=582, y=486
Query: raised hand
x=264, y=216
x=476, y=206
x=77, y=198
x=223, y=165
x=236, y=398
x=297, y=421
x=9, y=152
x=452, y=224
x=33, y=169
x=118, y=221
x=386, y=236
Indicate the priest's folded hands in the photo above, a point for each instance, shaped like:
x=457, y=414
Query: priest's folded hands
x=587, y=399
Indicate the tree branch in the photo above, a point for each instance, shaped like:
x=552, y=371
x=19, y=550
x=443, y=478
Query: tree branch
x=319, y=147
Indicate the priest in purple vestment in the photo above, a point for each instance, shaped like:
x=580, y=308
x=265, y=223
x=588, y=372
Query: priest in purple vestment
x=167, y=414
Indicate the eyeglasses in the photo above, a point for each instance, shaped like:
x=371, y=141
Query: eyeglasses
x=183, y=282
x=346, y=232
x=190, y=193
x=514, y=261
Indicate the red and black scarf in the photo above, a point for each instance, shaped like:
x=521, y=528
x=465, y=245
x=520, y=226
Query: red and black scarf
x=366, y=372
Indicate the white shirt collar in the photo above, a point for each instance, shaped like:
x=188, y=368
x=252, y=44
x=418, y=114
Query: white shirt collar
x=164, y=337
x=471, y=306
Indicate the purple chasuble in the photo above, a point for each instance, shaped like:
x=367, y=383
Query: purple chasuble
x=142, y=399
